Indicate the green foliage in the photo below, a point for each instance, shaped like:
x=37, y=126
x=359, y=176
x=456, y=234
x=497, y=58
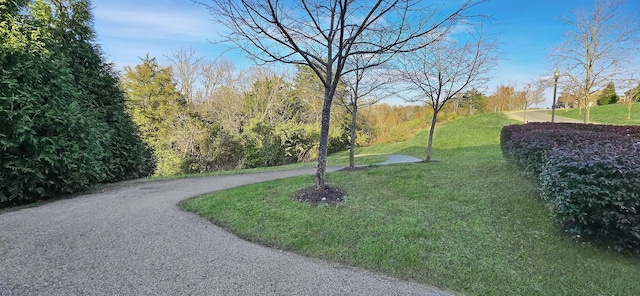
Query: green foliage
x=468, y=103
x=634, y=93
x=11, y=7
x=588, y=176
x=207, y=146
x=53, y=139
x=224, y=152
x=339, y=137
x=609, y=95
x=272, y=123
x=125, y=156
x=47, y=147
x=156, y=106
x=299, y=140
x=594, y=194
x=263, y=147
x=284, y=120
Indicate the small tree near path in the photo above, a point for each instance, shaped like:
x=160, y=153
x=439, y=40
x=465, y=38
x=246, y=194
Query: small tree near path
x=325, y=35
x=365, y=87
x=437, y=74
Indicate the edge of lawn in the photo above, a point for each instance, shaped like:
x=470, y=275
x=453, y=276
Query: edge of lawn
x=469, y=222
x=606, y=114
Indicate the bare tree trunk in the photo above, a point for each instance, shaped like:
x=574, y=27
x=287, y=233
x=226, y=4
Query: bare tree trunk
x=586, y=114
x=352, y=146
x=323, y=148
x=431, y=131
x=326, y=35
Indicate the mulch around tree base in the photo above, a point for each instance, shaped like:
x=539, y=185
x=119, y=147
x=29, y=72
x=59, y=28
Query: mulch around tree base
x=328, y=195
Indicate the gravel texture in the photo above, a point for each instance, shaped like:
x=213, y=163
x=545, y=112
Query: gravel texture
x=136, y=240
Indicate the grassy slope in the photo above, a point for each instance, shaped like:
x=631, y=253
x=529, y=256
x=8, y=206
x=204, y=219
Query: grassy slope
x=607, y=114
x=469, y=223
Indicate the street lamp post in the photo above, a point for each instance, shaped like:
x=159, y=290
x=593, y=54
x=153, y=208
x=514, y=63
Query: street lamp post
x=556, y=74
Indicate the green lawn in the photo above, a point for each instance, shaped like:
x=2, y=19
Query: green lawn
x=468, y=223
x=607, y=114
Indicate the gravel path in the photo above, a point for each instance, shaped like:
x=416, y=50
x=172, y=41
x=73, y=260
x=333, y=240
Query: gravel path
x=136, y=240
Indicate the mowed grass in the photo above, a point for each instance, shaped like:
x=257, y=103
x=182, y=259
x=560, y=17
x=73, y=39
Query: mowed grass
x=607, y=114
x=468, y=223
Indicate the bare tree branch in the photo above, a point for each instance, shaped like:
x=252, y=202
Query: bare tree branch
x=188, y=70
x=437, y=74
x=598, y=50
x=325, y=35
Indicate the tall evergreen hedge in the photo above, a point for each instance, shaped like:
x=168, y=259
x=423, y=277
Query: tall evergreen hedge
x=63, y=124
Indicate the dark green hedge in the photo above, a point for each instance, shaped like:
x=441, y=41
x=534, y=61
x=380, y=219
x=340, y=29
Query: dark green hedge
x=63, y=123
x=589, y=176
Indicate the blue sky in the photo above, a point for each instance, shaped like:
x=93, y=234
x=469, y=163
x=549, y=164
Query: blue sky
x=527, y=31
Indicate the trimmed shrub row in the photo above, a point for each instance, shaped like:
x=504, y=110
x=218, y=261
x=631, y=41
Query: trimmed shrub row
x=589, y=176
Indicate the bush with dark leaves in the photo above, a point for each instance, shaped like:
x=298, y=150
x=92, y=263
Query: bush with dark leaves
x=588, y=176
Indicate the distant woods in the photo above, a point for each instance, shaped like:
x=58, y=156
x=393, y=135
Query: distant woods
x=202, y=115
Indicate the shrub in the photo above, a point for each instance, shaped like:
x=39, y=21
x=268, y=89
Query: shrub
x=529, y=144
x=592, y=189
x=529, y=147
x=262, y=146
x=587, y=173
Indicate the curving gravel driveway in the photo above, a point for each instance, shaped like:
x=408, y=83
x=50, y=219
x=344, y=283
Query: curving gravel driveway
x=136, y=240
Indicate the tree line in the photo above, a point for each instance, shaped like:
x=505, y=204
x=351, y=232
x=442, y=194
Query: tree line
x=71, y=121
x=202, y=115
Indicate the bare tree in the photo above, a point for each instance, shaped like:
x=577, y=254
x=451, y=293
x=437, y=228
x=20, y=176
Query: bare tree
x=501, y=98
x=215, y=74
x=324, y=35
x=598, y=50
x=220, y=93
x=188, y=70
x=535, y=92
x=268, y=97
x=365, y=87
x=439, y=73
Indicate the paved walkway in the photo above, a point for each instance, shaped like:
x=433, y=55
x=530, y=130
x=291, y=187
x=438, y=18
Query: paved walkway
x=539, y=115
x=136, y=240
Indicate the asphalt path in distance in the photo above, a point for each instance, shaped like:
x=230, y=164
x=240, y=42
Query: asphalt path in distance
x=539, y=115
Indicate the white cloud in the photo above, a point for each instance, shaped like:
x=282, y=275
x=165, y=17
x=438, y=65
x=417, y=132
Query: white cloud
x=154, y=22
x=130, y=29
